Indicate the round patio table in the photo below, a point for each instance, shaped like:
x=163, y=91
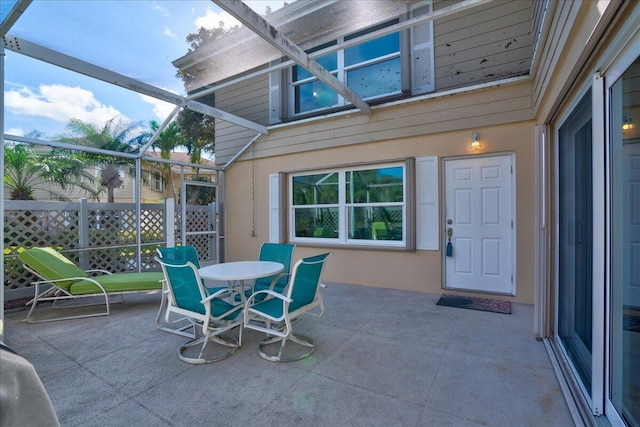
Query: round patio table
x=235, y=273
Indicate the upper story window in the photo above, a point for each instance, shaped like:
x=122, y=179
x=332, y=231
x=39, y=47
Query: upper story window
x=370, y=69
x=391, y=65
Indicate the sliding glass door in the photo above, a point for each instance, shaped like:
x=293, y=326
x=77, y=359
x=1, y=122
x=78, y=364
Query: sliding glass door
x=575, y=240
x=624, y=366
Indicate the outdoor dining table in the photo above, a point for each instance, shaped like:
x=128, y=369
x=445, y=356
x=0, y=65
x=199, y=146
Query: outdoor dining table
x=236, y=273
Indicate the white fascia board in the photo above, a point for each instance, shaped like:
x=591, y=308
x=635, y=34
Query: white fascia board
x=271, y=35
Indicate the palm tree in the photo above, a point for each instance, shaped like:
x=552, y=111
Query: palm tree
x=198, y=133
x=27, y=170
x=113, y=136
x=169, y=139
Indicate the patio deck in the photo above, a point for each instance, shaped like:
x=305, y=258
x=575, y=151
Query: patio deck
x=383, y=358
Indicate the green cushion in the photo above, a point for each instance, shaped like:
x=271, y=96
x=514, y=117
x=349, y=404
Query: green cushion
x=51, y=265
x=119, y=282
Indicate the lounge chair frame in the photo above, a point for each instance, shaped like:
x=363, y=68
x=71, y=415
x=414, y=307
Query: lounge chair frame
x=59, y=290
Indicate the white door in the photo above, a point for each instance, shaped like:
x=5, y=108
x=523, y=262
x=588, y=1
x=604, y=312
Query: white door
x=479, y=216
x=631, y=152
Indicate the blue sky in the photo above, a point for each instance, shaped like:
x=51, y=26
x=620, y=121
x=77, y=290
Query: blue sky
x=136, y=38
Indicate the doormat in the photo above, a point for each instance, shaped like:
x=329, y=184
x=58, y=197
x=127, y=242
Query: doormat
x=475, y=303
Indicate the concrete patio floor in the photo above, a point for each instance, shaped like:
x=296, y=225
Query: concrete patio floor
x=383, y=358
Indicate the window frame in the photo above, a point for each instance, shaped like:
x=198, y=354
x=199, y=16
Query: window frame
x=157, y=182
x=341, y=70
x=343, y=207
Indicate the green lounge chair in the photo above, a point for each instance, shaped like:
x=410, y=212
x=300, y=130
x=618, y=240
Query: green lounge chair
x=212, y=313
x=276, y=314
x=69, y=282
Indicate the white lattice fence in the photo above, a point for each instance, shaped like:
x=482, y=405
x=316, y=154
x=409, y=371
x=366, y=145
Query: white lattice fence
x=95, y=235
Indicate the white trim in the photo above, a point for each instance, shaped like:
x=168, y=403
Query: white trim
x=541, y=297
x=598, y=244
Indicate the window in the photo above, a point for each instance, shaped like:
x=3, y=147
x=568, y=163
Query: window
x=157, y=182
x=370, y=69
x=391, y=65
x=351, y=206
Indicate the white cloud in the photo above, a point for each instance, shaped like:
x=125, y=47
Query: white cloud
x=168, y=32
x=160, y=108
x=163, y=10
x=60, y=103
x=213, y=19
x=16, y=132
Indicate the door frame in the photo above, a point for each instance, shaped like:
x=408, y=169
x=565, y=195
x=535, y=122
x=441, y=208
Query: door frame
x=512, y=158
x=213, y=215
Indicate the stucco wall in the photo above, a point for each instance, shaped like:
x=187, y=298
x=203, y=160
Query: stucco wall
x=418, y=271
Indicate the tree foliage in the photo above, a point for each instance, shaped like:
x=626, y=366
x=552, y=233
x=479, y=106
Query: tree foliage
x=198, y=134
x=114, y=135
x=54, y=171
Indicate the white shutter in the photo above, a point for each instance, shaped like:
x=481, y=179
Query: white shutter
x=274, y=208
x=427, y=223
x=275, y=83
x=422, y=63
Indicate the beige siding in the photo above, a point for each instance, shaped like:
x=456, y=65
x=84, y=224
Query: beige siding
x=485, y=43
x=420, y=270
x=551, y=49
x=569, y=49
x=249, y=100
x=509, y=103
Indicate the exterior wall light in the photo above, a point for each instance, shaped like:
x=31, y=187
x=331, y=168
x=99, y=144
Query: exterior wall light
x=627, y=124
x=475, y=140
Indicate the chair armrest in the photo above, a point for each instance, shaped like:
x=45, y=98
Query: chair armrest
x=268, y=292
x=218, y=294
x=276, y=278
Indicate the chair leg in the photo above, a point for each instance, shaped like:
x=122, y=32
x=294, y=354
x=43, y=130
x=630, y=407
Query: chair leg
x=222, y=340
x=303, y=341
x=165, y=324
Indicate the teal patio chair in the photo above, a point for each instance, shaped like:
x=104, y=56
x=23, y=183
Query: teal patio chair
x=277, y=252
x=277, y=312
x=164, y=320
x=212, y=314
